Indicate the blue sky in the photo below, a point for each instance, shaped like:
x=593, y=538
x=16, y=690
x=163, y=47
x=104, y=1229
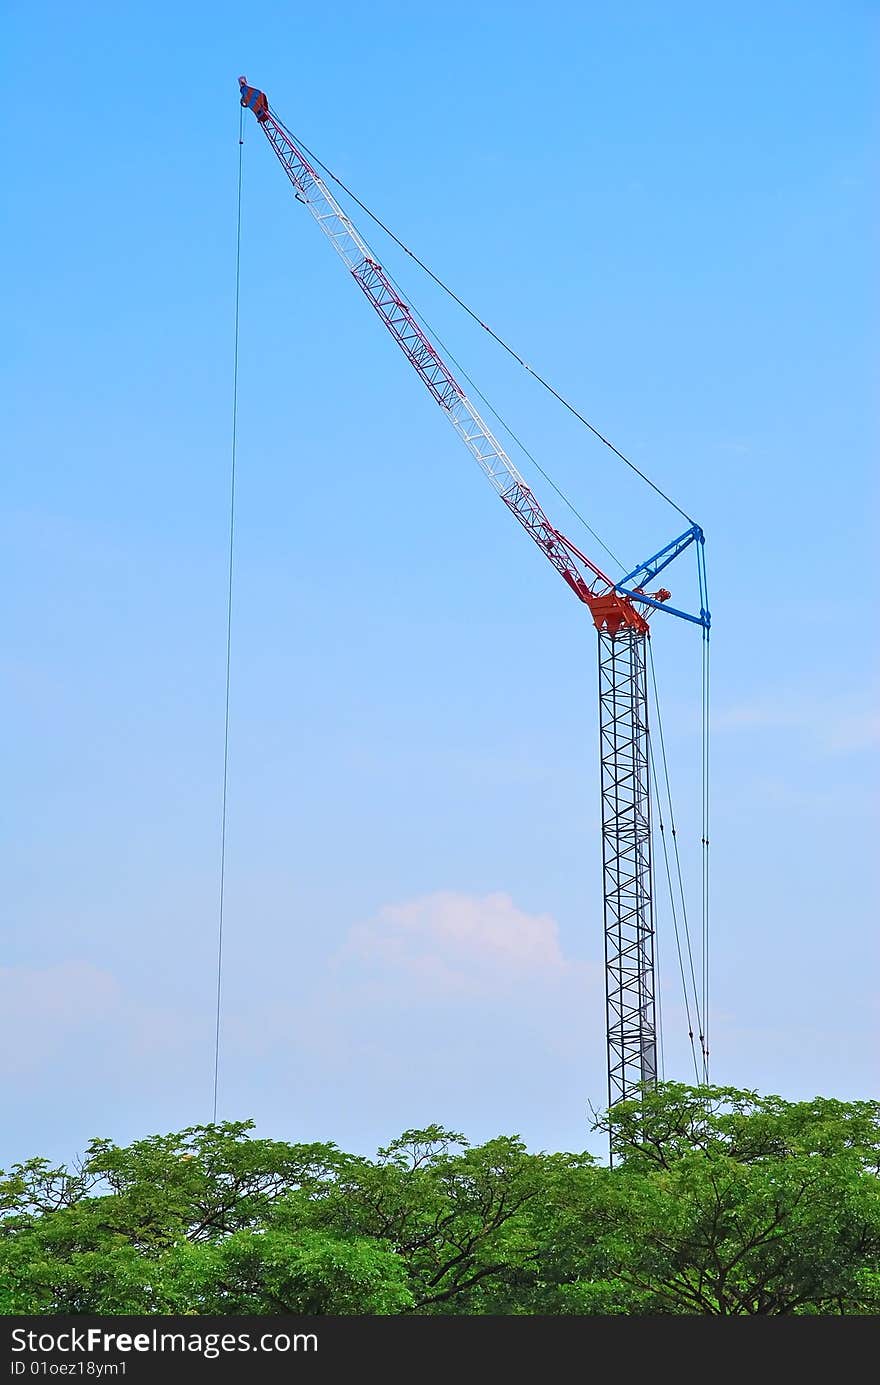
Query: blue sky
x=667, y=209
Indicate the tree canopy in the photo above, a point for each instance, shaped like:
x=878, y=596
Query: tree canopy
x=719, y=1201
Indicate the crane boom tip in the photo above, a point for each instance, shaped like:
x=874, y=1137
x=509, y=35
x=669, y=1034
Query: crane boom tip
x=254, y=99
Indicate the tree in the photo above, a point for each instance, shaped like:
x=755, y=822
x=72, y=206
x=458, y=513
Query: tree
x=178, y=1223
x=719, y=1202
x=469, y=1223
x=729, y=1203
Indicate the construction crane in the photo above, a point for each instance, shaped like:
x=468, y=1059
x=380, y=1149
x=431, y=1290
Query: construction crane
x=618, y=610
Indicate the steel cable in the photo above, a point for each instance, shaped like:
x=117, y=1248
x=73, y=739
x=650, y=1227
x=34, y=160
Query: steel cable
x=230, y=570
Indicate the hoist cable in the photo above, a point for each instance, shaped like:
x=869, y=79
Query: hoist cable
x=706, y=850
x=486, y=328
x=705, y=775
x=658, y=1000
x=674, y=912
x=230, y=569
x=695, y=990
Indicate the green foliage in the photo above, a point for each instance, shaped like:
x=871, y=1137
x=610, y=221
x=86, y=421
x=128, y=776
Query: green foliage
x=731, y=1203
x=719, y=1202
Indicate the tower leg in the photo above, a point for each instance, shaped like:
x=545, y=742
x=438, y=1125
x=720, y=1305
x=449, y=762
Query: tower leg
x=626, y=858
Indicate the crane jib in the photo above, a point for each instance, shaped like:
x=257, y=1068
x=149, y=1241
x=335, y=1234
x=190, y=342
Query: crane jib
x=400, y=322
x=610, y=608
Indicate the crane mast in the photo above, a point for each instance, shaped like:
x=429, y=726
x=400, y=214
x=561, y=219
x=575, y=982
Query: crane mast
x=627, y=878
x=622, y=635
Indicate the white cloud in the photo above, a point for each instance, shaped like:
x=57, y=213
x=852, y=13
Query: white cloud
x=855, y=732
x=73, y=1007
x=41, y=1008
x=450, y=1005
x=450, y=944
